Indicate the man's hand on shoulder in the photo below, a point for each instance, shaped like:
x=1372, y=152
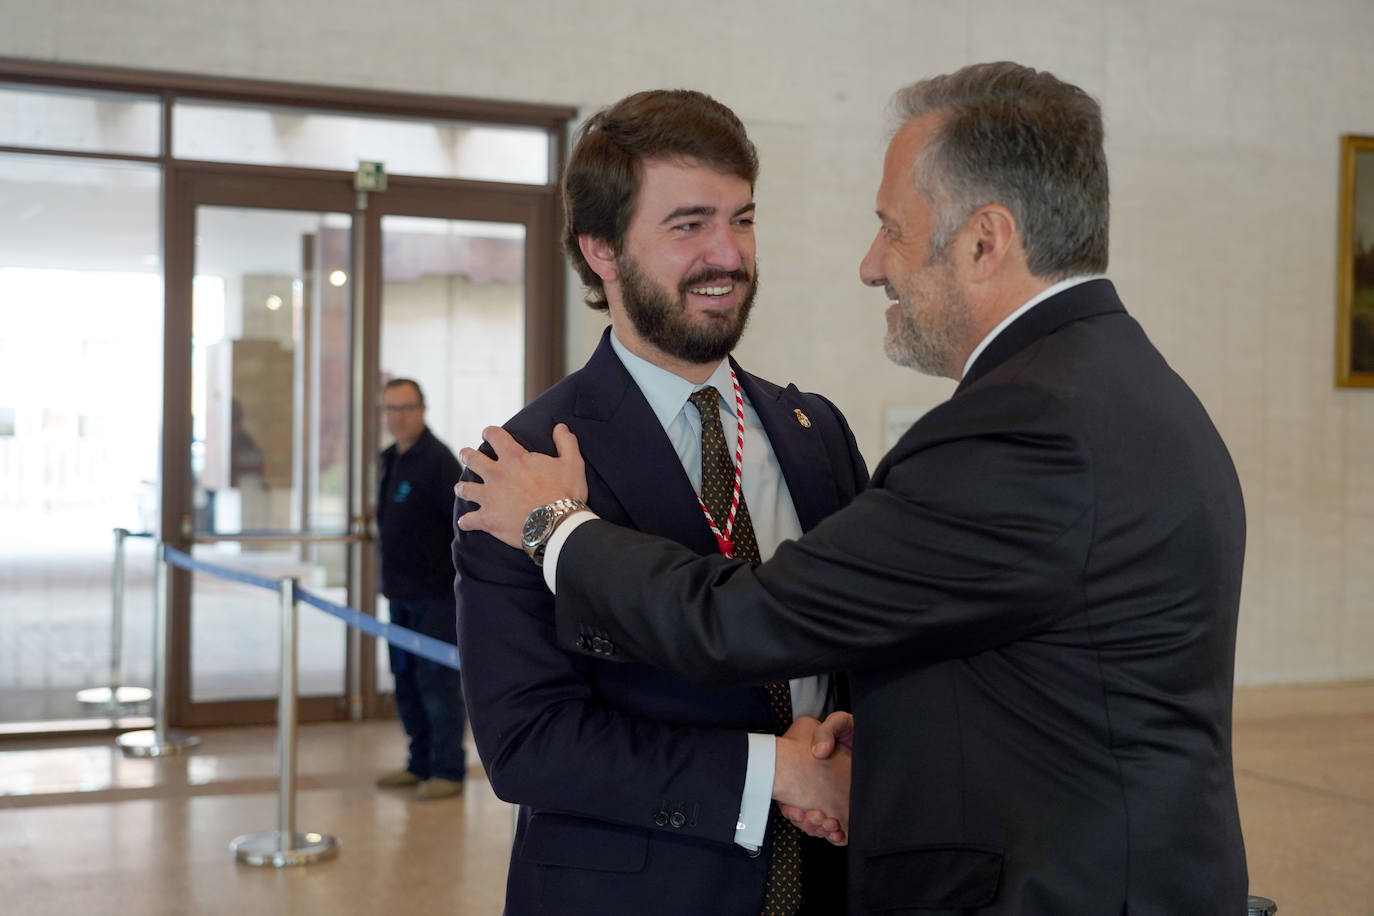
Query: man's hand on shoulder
x=517, y=481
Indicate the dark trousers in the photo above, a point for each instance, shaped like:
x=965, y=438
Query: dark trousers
x=429, y=696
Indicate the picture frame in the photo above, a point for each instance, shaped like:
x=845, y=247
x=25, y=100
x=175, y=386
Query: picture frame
x=1355, y=271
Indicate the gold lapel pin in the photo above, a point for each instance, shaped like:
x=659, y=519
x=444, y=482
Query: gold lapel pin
x=802, y=418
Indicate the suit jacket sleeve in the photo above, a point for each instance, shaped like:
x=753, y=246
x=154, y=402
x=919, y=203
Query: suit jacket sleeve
x=973, y=533
x=546, y=738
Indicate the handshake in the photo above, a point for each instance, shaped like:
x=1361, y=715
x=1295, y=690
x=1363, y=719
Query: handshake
x=811, y=775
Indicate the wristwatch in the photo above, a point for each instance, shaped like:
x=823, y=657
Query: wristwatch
x=540, y=525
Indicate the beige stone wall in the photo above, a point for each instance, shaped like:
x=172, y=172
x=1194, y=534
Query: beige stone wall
x=1223, y=119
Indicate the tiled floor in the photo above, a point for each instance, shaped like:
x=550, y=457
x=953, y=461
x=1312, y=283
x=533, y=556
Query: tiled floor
x=1304, y=759
x=84, y=830
x=91, y=832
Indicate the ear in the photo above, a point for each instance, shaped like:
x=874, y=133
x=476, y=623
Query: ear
x=600, y=254
x=993, y=241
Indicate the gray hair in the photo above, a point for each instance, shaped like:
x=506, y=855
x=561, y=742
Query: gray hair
x=1024, y=139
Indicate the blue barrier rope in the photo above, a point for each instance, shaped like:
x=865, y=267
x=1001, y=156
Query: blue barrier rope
x=186, y=561
x=428, y=647
x=276, y=534
x=433, y=649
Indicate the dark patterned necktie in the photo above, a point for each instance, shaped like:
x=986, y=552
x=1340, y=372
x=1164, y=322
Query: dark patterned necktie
x=783, y=891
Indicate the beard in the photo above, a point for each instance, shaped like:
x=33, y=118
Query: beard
x=663, y=321
x=929, y=342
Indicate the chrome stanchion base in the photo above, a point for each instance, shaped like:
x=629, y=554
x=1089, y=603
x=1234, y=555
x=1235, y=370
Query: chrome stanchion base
x=146, y=743
x=261, y=849
x=116, y=700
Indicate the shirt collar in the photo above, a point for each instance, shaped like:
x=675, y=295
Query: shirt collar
x=665, y=391
x=1035, y=300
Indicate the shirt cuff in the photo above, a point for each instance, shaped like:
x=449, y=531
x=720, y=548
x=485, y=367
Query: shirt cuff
x=758, y=791
x=560, y=534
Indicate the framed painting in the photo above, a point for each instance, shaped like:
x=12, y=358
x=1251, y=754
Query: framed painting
x=1355, y=278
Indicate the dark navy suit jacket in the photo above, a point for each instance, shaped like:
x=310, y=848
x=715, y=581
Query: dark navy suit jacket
x=629, y=778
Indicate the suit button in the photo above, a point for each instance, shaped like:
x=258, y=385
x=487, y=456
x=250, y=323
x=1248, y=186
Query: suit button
x=661, y=818
x=754, y=853
x=678, y=819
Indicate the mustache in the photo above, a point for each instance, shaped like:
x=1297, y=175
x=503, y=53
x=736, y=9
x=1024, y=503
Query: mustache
x=707, y=277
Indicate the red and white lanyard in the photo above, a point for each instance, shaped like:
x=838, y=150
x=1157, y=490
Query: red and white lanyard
x=723, y=542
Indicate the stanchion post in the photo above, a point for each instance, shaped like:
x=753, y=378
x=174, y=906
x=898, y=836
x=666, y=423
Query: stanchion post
x=115, y=698
x=117, y=612
x=160, y=741
x=286, y=719
x=285, y=846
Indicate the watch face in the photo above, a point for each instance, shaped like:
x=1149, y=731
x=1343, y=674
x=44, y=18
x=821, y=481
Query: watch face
x=537, y=527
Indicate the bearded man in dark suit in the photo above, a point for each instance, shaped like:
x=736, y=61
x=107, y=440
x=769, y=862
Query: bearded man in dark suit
x=1036, y=597
x=640, y=792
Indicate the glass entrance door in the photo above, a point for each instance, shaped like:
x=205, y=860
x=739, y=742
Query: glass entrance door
x=271, y=308
x=80, y=381
x=142, y=210
x=301, y=300
x=453, y=320
x=262, y=482
x=256, y=465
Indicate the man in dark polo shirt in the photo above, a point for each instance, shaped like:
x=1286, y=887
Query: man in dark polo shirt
x=414, y=511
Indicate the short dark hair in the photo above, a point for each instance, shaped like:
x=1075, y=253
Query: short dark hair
x=601, y=182
x=1026, y=140
x=398, y=382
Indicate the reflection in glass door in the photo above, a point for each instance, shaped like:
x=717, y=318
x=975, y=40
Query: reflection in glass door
x=270, y=371
x=453, y=319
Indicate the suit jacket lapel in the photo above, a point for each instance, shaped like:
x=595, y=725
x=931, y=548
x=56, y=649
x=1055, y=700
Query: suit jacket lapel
x=625, y=449
x=800, y=449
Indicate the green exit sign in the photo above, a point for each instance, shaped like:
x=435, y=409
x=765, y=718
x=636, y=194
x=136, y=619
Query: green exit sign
x=371, y=176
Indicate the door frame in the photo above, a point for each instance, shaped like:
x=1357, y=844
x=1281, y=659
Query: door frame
x=190, y=185
x=544, y=345
x=543, y=289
